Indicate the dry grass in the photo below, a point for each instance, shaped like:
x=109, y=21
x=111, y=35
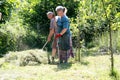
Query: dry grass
x=29, y=57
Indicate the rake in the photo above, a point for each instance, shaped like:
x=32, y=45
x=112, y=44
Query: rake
x=47, y=53
x=44, y=45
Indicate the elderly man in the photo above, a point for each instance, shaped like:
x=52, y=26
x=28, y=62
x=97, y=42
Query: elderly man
x=53, y=31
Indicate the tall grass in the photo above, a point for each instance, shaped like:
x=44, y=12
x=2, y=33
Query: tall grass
x=100, y=45
x=103, y=40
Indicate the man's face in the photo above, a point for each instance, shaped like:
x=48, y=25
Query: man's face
x=50, y=16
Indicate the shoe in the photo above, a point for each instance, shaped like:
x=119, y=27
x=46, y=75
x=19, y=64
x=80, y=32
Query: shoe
x=49, y=61
x=53, y=61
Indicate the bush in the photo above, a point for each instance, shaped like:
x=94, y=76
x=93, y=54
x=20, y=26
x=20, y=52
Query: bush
x=6, y=42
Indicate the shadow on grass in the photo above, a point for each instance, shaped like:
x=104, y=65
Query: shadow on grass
x=63, y=66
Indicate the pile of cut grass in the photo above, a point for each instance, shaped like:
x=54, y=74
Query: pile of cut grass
x=28, y=57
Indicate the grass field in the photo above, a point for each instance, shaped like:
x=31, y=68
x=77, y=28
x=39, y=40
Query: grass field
x=91, y=68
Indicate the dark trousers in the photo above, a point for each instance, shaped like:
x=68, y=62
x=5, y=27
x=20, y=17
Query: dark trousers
x=64, y=46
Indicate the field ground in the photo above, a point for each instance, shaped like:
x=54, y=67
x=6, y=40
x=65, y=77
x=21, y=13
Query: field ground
x=91, y=68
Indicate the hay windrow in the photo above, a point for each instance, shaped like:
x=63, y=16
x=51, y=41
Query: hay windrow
x=28, y=57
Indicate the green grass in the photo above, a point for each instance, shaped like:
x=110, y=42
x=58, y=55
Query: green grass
x=103, y=40
x=91, y=68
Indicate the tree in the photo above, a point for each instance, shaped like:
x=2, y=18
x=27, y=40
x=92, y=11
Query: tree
x=98, y=17
x=110, y=17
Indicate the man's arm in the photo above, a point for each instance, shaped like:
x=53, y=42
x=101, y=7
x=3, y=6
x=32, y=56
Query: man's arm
x=50, y=34
x=51, y=30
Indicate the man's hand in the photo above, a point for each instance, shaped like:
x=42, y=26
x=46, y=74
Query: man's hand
x=48, y=39
x=57, y=36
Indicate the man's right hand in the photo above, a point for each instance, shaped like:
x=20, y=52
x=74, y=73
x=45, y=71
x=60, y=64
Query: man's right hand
x=49, y=39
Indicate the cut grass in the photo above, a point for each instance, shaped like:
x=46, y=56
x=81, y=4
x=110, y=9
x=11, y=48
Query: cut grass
x=91, y=68
x=28, y=57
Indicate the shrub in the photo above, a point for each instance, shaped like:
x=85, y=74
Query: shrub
x=6, y=42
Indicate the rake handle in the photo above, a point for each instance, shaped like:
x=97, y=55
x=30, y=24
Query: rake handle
x=44, y=45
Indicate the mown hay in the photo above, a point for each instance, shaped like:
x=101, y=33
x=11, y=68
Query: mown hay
x=29, y=57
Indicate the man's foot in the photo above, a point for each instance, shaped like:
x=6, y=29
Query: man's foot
x=49, y=61
x=53, y=61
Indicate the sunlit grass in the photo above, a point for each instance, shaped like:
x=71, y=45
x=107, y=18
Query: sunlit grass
x=91, y=68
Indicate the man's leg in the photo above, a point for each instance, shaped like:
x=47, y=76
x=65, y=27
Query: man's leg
x=53, y=54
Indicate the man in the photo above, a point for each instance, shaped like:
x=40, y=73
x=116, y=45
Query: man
x=53, y=31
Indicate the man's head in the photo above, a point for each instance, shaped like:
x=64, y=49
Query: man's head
x=50, y=15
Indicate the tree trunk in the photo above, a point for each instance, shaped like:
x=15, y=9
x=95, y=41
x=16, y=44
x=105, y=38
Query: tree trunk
x=79, y=55
x=110, y=37
x=111, y=50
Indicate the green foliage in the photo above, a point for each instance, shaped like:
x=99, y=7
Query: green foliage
x=35, y=13
x=6, y=41
x=12, y=32
x=91, y=18
x=6, y=7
